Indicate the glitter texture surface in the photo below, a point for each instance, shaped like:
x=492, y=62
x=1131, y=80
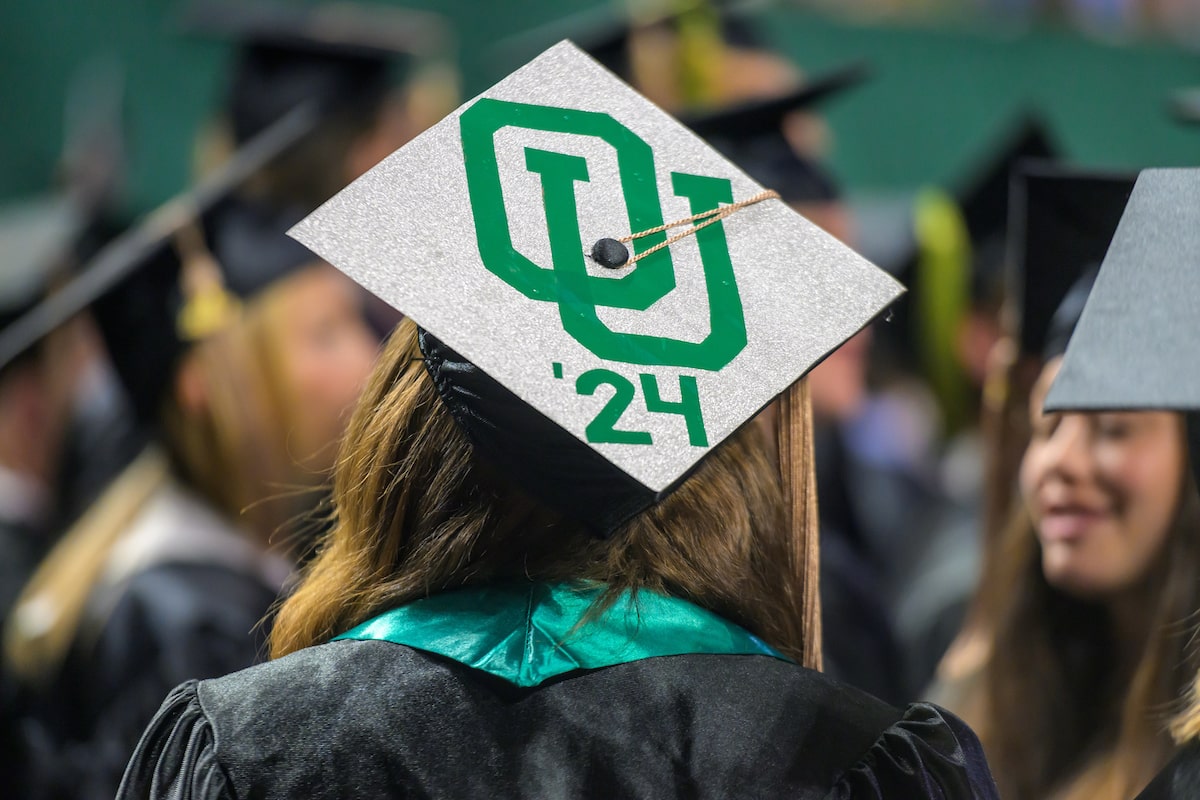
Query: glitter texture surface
x=405, y=231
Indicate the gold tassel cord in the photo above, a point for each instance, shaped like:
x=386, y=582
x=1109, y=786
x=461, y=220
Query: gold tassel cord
x=704, y=218
x=208, y=305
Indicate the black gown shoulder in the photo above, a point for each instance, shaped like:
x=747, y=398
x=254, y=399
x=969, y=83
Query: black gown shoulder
x=1179, y=780
x=171, y=623
x=372, y=719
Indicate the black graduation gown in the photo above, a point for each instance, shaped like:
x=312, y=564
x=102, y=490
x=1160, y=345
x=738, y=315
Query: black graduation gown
x=375, y=719
x=22, y=546
x=1179, y=780
x=192, y=608
x=858, y=638
x=174, y=622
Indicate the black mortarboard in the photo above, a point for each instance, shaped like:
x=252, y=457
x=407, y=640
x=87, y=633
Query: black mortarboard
x=1135, y=344
x=341, y=55
x=134, y=286
x=1062, y=221
x=751, y=135
x=984, y=199
x=1184, y=105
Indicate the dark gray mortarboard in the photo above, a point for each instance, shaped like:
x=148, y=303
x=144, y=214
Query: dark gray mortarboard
x=342, y=56
x=43, y=240
x=35, y=241
x=133, y=284
x=751, y=135
x=1184, y=105
x=1136, y=343
x=982, y=194
x=1061, y=222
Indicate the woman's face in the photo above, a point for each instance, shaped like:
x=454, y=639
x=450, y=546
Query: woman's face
x=1102, y=490
x=327, y=353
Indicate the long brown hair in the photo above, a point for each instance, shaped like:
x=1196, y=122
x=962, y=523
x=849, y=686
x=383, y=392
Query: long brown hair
x=234, y=451
x=1058, y=701
x=417, y=514
x=233, y=454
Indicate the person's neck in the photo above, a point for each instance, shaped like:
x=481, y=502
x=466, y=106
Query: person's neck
x=24, y=473
x=1130, y=614
x=25, y=449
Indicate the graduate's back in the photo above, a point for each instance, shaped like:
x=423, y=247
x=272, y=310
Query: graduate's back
x=376, y=719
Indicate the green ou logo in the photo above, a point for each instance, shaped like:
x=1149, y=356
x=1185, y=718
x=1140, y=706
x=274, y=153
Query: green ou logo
x=567, y=282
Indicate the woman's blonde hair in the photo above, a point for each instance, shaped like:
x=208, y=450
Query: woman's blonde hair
x=417, y=514
x=232, y=453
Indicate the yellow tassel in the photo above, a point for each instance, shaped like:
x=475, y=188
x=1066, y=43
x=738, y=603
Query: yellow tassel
x=208, y=306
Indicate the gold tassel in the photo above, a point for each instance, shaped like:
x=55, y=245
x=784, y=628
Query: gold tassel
x=796, y=468
x=208, y=306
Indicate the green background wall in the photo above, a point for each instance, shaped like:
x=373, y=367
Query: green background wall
x=939, y=96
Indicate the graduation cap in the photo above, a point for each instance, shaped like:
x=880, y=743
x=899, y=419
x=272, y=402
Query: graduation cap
x=168, y=281
x=985, y=200
x=36, y=239
x=341, y=55
x=1184, y=105
x=1135, y=344
x=1062, y=222
x=751, y=135
x=959, y=256
x=596, y=384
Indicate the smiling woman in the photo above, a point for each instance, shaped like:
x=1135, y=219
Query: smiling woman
x=1100, y=490
x=1088, y=646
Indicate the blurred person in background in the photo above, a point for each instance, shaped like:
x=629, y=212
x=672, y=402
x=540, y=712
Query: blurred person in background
x=40, y=386
x=244, y=352
x=1137, y=333
x=955, y=332
x=66, y=428
x=1081, y=641
x=378, y=74
x=37, y=387
x=253, y=413
x=690, y=58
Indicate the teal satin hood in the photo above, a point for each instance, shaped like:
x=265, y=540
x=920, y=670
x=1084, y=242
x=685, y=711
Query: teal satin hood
x=530, y=633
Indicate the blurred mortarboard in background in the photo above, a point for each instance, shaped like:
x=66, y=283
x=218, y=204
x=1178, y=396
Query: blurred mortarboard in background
x=973, y=221
x=135, y=286
x=957, y=263
x=1062, y=221
x=44, y=239
x=1184, y=105
x=341, y=55
x=1135, y=346
x=984, y=199
x=36, y=239
x=608, y=41
x=607, y=32
x=751, y=135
